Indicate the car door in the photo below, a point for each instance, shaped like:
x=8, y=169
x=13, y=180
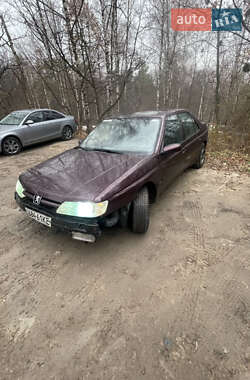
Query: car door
x=192, y=142
x=171, y=163
x=54, y=123
x=35, y=132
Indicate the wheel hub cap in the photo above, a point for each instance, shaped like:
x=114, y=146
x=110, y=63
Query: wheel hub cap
x=11, y=146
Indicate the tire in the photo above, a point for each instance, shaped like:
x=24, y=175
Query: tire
x=140, y=212
x=67, y=133
x=201, y=159
x=11, y=145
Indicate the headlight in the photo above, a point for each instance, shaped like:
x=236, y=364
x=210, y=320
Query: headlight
x=20, y=189
x=83, y=209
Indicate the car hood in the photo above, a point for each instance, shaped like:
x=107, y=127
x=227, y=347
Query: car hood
x=78, y=175
x=7, y=128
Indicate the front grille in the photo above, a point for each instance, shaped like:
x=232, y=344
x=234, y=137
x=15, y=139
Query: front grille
x=47, y=210
x=44, y=201
x=63, y=222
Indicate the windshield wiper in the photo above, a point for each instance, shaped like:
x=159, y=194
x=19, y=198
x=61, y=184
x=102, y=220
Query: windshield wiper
x=83, y=148
x=99, y=150
x=106, y=150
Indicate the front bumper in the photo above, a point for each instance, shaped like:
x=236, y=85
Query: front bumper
x=91, y=226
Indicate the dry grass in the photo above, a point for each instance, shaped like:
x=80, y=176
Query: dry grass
x=228, y=151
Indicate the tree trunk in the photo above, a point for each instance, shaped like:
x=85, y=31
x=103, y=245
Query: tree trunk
x=201, y=101
x=22, y=77
x=159, y=74
x=217, y=87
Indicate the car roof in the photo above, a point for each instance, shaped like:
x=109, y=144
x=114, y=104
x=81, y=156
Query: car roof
x=153, y=113
x=36, y=109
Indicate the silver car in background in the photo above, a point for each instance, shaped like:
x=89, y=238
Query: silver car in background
x=27, y=127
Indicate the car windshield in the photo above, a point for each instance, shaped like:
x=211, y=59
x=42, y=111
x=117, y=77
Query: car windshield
x=121, y=135
x=14, y=118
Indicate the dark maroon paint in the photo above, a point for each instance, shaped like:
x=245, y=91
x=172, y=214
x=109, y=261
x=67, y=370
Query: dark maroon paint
x=78, y=175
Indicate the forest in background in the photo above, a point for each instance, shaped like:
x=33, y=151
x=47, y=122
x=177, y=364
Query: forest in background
x=98, y=58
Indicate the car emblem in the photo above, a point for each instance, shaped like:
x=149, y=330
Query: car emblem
x=37, y=199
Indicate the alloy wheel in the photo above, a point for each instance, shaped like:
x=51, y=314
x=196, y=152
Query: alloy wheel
x=67, y=133
x=11, y=146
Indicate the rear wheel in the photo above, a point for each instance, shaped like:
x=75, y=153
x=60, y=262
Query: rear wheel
x=201, y=159
x=67, y=133
x=11, y=145
x=140, y=212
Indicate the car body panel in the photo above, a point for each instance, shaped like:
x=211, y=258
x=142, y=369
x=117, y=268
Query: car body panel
x=170, y=165
x=8, y=130
x=82, y=175
x=90, y=171
x=37, y=132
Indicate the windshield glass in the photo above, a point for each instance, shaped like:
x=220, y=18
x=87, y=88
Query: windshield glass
x=137, y=135
x=14, y=118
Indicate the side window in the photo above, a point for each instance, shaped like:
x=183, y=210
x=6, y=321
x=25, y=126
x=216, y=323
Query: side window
x=189, y=124
x=52, y=115
x=37, y=117
x=173, y=131
x=55, y=115
x=47, y=115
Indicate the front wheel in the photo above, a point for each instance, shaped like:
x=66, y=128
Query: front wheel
x=67, y=133
x=11, y=145
x=201, y=159
x=140, y=212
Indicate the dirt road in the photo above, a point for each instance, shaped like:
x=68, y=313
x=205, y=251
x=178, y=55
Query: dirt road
x=173, y=304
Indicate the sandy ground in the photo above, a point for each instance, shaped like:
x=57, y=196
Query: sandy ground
x=173, y=304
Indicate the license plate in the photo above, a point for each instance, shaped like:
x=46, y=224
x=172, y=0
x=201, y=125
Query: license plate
x=39, y=217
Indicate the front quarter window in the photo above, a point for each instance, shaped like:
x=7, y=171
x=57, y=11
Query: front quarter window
x=125, y=135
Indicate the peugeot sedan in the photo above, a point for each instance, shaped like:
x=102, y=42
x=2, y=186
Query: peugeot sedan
x=114, y=174
x=22, y=128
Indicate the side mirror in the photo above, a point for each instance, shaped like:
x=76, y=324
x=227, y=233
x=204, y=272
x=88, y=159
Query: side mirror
x=172, y=148
x=29, y=122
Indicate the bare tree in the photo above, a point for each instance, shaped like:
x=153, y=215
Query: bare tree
x=84, y=44
x=19, y=72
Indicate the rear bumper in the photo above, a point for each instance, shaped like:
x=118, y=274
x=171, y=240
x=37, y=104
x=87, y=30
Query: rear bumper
x=65, y=223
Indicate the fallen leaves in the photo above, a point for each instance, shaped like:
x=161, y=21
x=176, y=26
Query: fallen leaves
x=229, y=161
x=224, y=152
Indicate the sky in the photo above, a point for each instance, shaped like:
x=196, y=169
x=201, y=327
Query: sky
x=17, y=30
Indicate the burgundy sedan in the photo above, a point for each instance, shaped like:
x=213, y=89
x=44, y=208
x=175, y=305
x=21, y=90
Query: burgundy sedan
x=114, y=174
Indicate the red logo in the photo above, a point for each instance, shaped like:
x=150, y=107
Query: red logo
x=191, y=19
